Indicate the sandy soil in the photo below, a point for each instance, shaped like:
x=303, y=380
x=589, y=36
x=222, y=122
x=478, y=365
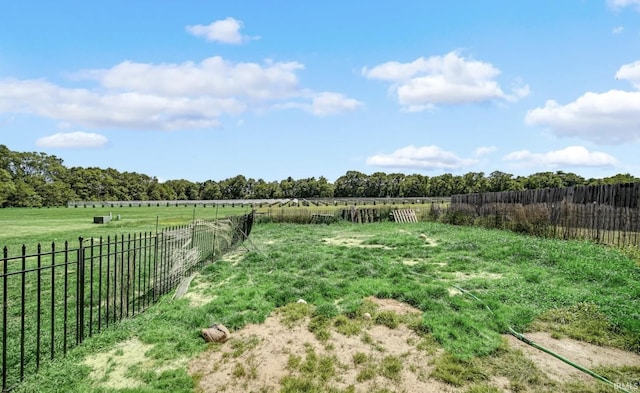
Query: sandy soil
x=275, y=343
x=268, y=347
x=581, y=353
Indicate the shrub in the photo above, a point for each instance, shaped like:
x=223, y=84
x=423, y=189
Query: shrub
x=459, y=214
x=530, y=219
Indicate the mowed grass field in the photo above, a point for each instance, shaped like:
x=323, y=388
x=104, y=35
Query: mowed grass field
x=31, y=226
x=569, y=289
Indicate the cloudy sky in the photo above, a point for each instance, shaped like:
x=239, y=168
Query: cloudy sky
x=199, y=90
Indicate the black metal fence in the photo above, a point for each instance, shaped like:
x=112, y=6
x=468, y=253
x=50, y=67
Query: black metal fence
x=55, y=298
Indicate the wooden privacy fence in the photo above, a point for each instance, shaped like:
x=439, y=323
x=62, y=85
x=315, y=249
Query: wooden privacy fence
x=606, y=214
x=52, y=300
x=617, y=195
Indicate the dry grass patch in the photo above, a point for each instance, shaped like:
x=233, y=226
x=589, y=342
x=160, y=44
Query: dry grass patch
x=113, y=369
x=393, y=306
x=196, y=292
x=454, y=291
x=428, y=241
x=351, y=241
x=462, y=276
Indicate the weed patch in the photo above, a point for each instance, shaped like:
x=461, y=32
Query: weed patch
x=457, y=371
x=585, y=322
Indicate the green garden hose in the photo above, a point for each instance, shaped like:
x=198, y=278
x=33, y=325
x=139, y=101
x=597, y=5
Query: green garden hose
x=522, y=338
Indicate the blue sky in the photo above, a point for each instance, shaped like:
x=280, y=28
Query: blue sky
x=199, y=90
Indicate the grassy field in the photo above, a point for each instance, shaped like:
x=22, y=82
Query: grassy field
x=46, y=225
x=567, y=288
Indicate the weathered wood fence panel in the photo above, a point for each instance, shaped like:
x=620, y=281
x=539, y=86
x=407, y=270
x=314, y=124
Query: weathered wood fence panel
x=604, y=213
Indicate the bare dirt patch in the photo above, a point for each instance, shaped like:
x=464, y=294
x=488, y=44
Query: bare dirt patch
x=352, y=242
x=110, y=369
x=454, y=291
x=585, y=354
x=267, y=361
x=394, y=306
x=469, y=276
x=428, y=241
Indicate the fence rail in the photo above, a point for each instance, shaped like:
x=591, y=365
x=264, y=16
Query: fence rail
x=53, y=299
x=280, y=202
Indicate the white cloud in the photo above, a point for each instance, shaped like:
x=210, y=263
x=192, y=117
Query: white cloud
x=617, y=4
x=168, y=96
x=630, y=72
x=73, y=140
x=323, y=104
x=114, y=110
x=617, y=30
x=448, y=79
x=327, y=103
x=213, y=76
x=484, y=150
x=605, y=118
x=226, y=31
x=424, y=157
x=574, y=156
x=519, y=91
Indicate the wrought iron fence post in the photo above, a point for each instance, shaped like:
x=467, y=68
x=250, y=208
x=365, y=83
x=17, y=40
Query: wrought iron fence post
x=5, y=268
x=38, y=304
x=80, y=293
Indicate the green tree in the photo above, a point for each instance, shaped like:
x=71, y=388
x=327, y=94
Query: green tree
x=210, y=190
x=287, y=187
x=543, y=180
x=501, y=181
x=234, y=188
x=87, y=183
x=393, y=184
x=56, y=193
x=571, y=179
x=7, y=187
x=24, y=196
x=620, y=178
x=442, y=185
x=264, y=190
x=414, y=186
x=475, y=182
x=325, y=189
x=352, y=184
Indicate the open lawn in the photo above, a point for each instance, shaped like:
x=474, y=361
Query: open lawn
x=383, y=313
x=20, y=226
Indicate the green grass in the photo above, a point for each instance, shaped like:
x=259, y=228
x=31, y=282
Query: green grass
x=31, y=226
x=525, y=281
x=54, y=277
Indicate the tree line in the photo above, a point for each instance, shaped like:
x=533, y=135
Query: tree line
x=32, y=179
